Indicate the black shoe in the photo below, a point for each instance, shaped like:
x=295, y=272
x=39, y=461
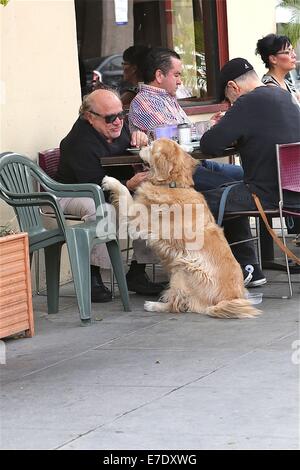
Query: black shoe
x=142, y=285
x=258, y=277
x=99, y=292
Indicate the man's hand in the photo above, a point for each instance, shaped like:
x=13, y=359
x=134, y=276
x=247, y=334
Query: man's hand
x=139, y=139
x=136, y=180
x=216, y=117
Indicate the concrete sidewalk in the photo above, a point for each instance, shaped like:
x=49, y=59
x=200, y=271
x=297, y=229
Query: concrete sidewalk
x=142, y=380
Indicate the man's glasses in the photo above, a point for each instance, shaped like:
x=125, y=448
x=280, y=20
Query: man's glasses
x=110, y=118
x=289, y=52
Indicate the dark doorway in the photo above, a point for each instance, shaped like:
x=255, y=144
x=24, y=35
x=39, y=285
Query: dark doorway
x=149, y=23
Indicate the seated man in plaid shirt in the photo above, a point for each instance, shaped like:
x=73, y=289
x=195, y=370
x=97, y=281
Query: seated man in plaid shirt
x=156, y=104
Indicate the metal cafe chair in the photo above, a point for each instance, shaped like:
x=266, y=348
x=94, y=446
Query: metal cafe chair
x=288, y=164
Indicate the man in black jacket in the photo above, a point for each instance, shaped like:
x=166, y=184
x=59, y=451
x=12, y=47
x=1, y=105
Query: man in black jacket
x=260, y=117
x=98, y=132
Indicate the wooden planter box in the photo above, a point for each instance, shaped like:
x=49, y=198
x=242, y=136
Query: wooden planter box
x=15, y=286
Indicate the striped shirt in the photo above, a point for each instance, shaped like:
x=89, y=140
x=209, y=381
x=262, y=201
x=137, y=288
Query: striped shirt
x=153, y=107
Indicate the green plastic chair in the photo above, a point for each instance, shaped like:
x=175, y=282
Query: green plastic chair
x=18, y=177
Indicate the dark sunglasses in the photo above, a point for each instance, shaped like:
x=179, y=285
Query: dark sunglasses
x=110, y=118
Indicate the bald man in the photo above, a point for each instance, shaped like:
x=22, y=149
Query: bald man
x=98, y=132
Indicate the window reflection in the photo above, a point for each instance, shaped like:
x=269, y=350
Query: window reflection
x=188, y=26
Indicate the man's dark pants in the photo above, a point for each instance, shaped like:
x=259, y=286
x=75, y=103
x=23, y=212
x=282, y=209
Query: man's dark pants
x=211, y=181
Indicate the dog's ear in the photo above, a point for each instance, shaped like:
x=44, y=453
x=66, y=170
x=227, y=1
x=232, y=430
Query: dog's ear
x=162, y=168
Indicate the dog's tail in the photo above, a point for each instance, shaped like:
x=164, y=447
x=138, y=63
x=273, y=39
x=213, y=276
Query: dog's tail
x=236, y=308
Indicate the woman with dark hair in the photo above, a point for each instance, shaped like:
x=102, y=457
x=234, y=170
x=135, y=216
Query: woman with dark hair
x=132, y=72
x=279, y=57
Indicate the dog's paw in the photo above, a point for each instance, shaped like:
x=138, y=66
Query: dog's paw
x=150, y=306
x=156, y=306
x=109, y=183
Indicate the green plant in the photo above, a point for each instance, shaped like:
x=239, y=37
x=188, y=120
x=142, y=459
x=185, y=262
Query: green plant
x=4, y=2
x=291, y=29
x=5, y=230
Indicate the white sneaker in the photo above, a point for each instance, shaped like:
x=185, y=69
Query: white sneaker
x=247, y=272
x=258, y=278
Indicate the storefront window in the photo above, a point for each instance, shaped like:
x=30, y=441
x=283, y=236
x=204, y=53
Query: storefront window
x=193, y=36
x=191, y=27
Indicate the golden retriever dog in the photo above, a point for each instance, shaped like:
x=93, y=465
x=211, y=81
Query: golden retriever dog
x=178, y=225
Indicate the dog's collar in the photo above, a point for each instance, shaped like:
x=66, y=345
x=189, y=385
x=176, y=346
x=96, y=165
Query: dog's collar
x=172, y=185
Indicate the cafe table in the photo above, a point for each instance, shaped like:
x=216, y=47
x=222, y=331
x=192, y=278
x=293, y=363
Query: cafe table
x=130, y=159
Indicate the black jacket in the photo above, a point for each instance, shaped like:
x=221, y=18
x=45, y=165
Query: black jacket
x=80, y=151
x=257, y=121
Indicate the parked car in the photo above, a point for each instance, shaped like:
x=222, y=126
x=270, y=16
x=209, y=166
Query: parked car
x=107, y=69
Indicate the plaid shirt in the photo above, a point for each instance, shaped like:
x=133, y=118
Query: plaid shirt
x=152, y=107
